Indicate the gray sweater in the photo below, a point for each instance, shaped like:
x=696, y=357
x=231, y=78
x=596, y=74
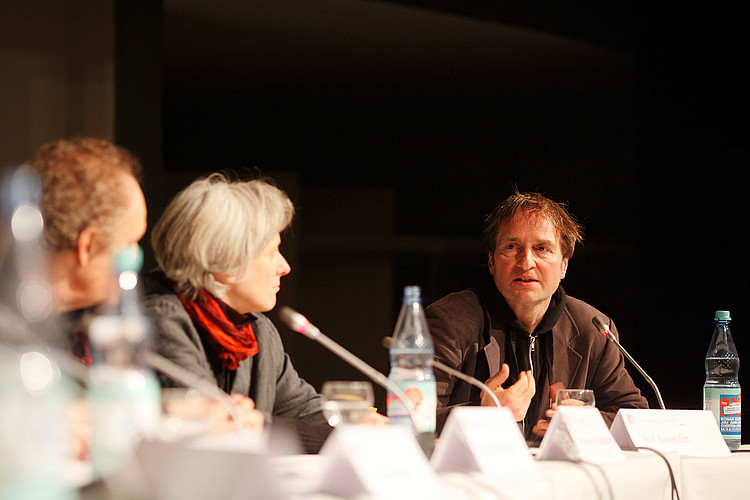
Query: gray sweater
x=268, y=377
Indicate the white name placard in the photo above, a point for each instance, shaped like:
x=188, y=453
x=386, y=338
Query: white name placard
x=579, y=433
x=687, y=432
x=482, y=439
x=377, y=461
x=227, y=471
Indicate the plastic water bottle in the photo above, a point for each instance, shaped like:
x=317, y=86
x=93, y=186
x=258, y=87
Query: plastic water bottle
x=124, y=393
x=36, y=394
x=721, y=392
x=411, y=354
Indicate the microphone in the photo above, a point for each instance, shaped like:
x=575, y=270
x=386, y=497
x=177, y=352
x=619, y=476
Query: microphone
x=300, y=324
x=604, y=330
x=450, y=371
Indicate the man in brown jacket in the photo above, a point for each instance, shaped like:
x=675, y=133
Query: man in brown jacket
x=517, y=329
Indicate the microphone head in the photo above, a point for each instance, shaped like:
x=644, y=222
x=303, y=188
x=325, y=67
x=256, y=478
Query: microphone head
x=601, y=326
x=294, y=320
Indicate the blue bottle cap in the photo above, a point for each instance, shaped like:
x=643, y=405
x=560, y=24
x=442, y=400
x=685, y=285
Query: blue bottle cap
x=412, y=293
x=722, y=316
x=129, y=258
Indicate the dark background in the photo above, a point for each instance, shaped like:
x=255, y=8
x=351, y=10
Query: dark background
x=634, y=116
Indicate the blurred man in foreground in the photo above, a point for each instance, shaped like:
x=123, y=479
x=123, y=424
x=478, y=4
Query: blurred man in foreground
x=93, y=206
x=517, y=329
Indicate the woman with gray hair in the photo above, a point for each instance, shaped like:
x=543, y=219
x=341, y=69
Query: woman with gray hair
x=219, y=269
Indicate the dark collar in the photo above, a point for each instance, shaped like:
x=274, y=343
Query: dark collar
x=237, y=318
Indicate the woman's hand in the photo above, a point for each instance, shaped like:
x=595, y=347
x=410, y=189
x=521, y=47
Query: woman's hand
x=222, y=422
x=375, y=418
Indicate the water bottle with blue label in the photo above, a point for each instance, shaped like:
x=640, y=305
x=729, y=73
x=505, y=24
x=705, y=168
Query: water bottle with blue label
x=124, y=394
x=721, y=392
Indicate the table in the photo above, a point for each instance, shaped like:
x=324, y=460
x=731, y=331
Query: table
x=641, y=476
x=724, y=478
x=554, y=479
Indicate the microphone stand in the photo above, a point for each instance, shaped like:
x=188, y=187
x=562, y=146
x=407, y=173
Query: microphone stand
x=298, y=323
x=460, y=375
x=604, y=330
x=193, y=381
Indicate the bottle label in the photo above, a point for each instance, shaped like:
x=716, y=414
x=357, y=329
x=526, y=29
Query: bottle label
x=422, y=397
x=726, y=405
x=125, y=407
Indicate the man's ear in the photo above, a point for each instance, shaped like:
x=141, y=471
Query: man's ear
x=564, y=267
x=86, y=246
x=491, y=263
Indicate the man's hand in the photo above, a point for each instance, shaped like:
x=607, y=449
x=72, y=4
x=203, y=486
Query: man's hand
x=516, y=397
x=540, y=428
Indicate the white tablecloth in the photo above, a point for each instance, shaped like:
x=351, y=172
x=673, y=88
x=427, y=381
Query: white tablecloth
x=721, y=478
x=641, y=476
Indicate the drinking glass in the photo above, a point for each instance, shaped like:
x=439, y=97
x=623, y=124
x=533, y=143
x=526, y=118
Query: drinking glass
x=347, y=402
x=575, y=397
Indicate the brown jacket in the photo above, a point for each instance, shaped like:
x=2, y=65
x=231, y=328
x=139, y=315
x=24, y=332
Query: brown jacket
x=469, y=329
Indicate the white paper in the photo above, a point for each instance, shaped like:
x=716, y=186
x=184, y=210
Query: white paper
x=687, y=432
x=579, y=433
x=382, y=462
x=482, y=439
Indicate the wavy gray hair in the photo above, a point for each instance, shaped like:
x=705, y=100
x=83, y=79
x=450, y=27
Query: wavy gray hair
x=216, y=225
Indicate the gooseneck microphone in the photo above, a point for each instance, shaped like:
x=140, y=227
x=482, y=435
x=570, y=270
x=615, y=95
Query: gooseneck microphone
x=300, y=324
x=450, y=371
x=605, y=330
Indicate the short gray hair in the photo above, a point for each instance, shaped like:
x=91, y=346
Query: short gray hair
x=217, y=225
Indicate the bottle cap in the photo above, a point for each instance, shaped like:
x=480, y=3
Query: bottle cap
x=412, y=293
x=129, y=258
x=722, y=316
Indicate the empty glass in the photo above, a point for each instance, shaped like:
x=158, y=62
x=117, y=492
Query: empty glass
x=347, y=402
x=575, y=397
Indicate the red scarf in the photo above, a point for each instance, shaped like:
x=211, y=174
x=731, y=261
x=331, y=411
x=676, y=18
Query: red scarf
x=234, y=342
